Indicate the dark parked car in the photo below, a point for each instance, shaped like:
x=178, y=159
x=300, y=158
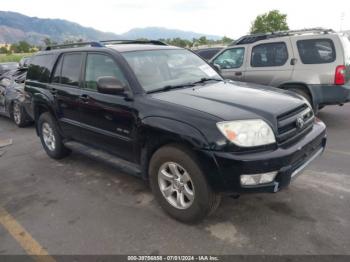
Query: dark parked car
x=5, y=67
x=12, y=98
x=164, y=114
x=208, y=53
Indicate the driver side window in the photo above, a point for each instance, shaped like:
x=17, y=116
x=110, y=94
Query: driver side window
x=99, y=65
x=230, y=58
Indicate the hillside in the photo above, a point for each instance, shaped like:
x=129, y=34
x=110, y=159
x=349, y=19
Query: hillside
x=160, y=32
x=15, y=27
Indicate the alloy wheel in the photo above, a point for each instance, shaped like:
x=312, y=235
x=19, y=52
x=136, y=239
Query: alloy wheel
x=48, y=136
x=176, y=185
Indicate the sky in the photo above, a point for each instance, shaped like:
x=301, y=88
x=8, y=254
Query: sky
x=220, y=17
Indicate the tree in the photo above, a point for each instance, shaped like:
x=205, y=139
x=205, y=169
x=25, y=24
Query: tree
x=226, y=40
x=4, y=50
x=48, y=42
x=269, y=22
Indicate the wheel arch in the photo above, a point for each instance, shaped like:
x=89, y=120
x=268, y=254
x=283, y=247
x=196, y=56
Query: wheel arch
x=157, y=132
x=39, y=108
x=303, y=86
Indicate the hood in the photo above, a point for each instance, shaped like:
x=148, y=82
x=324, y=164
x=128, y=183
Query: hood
x=230, y=100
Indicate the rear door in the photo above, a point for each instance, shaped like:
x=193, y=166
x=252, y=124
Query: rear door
x=317, y=58
x=107, y=120
x=65, y=88
x=231, y=63
x=270, y=62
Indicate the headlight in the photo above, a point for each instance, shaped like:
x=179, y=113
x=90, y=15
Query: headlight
x=247, y=133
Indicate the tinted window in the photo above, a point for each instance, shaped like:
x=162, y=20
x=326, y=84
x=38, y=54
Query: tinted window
x=316, y=51
x=98, y=65
x=272, y=54
x=40, y=67
x=71, y=66
x=231, y=58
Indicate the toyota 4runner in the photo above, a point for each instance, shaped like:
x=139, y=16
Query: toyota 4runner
x=164, y=114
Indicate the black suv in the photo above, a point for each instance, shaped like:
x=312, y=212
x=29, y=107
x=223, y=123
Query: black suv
x=164, y=114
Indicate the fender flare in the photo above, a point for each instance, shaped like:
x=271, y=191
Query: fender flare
x=168, y=130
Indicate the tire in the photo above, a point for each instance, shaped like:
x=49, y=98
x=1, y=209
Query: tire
x=50, y=137
x=19, y=115
x=204, y=201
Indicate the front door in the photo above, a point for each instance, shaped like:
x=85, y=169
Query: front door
x=107, y=120
x=231, y=63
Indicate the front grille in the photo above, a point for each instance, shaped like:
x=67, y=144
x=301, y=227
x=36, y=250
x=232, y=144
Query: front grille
x=294, y=124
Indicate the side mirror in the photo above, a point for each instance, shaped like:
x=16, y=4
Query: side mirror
x=110, y=85
x=216, y=67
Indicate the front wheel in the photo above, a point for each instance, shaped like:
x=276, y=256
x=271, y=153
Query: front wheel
x=50, y=137
x=180, y=186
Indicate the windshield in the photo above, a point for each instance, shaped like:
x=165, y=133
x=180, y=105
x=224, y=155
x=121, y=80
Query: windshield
x=160, y=68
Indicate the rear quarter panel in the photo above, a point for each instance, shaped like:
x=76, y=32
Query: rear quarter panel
x=315, y=74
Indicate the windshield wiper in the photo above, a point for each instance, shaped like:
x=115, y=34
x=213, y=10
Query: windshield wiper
x=205, y=79
x=170, y=87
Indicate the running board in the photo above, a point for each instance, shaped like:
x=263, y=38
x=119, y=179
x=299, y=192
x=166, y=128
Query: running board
x=102, y=155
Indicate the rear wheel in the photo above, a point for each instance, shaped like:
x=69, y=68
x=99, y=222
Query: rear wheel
x=19, y=115
x=180, y=186
x=50, y=137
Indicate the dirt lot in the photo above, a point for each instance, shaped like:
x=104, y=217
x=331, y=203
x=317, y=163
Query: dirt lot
x=81, y=206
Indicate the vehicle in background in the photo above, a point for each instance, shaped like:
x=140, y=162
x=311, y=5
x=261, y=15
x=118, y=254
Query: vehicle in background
x=164, y=114
x=5, y=67
x=315, y=63
x=207, y=53
x=12, y=98
x=24, y=62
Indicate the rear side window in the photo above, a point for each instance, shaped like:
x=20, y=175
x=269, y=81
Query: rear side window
x=41, y=67
x=316, y=51
x=71, y=66
x=271, y=54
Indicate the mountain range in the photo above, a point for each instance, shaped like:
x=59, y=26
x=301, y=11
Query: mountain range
x=15, y=27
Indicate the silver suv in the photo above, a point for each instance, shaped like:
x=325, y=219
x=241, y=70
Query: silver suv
x=315, y=63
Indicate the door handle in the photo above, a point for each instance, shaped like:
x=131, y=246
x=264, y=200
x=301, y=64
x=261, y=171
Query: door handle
x=85, y=98
x=238, y=73
x=293, y=61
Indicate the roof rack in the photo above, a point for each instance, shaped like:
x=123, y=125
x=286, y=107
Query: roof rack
x=248, y=39
x=103, y=43
x=122, y=41
x=72, y=45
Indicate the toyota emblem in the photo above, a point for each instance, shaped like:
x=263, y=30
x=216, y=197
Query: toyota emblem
x=300, y=123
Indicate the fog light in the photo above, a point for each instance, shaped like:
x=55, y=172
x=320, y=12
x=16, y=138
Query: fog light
x=264, y=178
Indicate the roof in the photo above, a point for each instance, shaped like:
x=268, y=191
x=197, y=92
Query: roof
x=248, y=39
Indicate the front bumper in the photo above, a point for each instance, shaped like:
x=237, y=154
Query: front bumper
x=289, y=162
x=330, y=94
